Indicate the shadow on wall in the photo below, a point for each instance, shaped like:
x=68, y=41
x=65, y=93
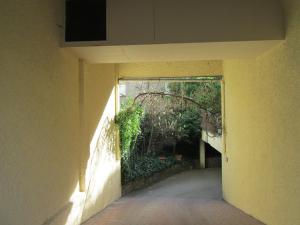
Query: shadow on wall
x=102, y=173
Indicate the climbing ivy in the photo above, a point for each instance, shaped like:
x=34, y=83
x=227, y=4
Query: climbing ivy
x=129, y=121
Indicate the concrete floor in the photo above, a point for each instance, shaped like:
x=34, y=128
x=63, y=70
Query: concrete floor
x=189, y=198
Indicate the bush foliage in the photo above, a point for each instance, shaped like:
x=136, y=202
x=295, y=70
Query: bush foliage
x=149, y=122
x=145, y=166
x=129, y=121
x=133, y=165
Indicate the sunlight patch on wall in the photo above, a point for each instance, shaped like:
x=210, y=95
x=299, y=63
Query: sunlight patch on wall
x=102, y=171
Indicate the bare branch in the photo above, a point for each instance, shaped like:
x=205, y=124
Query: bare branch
x=147, y=94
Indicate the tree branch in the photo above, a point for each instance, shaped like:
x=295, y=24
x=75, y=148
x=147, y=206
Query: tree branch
x=187, y=99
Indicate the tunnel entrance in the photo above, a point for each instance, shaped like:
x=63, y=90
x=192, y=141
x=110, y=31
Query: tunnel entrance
x=161, y=124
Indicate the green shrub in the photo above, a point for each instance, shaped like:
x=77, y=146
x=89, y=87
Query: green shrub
x=145, y=166
x=129, y=121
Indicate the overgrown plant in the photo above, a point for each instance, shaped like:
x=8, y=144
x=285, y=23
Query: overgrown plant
x=129, y=121
x=155, y=119
x=145, y=166
x=179, y=113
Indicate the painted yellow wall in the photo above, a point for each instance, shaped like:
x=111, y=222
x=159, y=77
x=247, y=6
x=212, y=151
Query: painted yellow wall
x=263, y=130
x=40, y=139
x=50, y=130
x=102, y=180
x=39, y=114
x=170, y=69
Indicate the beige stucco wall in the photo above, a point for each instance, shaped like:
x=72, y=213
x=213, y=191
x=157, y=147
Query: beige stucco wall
x=102, y=171
x=39, y=114
x=50, y=130
x=42, y=115
x=262, y=100
x=170, y=69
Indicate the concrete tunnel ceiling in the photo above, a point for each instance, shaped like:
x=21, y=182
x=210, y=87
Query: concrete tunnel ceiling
x=145, y=31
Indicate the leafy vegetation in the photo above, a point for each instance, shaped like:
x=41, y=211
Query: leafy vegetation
x=154, y=119
x=133, y=165
x=145, y=166
x=129, y=121
x=178, y=114
x=206, y=94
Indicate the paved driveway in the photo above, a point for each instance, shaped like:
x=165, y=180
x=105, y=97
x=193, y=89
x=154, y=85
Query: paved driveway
x=189, y=198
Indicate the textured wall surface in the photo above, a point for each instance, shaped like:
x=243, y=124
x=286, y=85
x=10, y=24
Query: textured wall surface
x=49, y=134
x=170, y=69
x=102, y=173
x=263, y=130
x=39, y=114
x=40, y=147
